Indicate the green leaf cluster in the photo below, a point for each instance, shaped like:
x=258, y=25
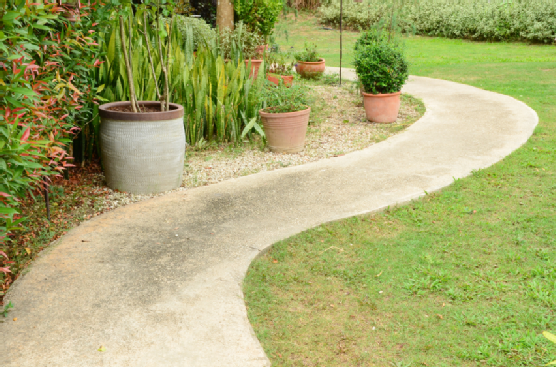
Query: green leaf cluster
x=258, y=15
x=279, y=99
x=380, y=63
x=308, y=54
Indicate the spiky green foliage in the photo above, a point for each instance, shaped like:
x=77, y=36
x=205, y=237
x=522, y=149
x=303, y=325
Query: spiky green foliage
x=219, y=97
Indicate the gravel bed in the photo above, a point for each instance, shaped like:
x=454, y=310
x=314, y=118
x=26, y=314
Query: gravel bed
x=338, y=126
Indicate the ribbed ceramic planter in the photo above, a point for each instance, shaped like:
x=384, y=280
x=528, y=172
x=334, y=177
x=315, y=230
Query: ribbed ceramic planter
x=382, y=108
x=285, y=132
x=142, y=153
x=255, y=65
x=310, y=69
x=275, y=78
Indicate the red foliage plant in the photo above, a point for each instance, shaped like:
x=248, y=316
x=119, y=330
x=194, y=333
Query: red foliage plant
x=46, y=64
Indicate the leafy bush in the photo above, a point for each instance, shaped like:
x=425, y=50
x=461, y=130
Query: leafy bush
x=202, y=33
x=280, y=99
x=239, y=43
x=46, y=66
x=258, y=15
x=309, y=54
x=380, y=64
x=529, y=21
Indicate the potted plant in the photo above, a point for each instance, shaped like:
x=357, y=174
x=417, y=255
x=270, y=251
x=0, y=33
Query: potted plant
x=241, y=44
x=143, y=143
x=279, y=67
x=382, y=71
x=285, y=116
x=309, y=64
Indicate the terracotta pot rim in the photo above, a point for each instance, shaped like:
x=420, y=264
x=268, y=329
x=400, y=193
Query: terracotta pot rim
x=280, y=75
x=285, y=114
x=253, y=61
x=311, y=62
x=381, y=94
x=176, y=111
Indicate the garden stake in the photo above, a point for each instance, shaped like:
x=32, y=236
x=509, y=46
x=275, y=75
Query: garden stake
x=46, y=200
x=341, y=13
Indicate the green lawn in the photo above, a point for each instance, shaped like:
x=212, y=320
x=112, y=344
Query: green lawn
x=463, y=277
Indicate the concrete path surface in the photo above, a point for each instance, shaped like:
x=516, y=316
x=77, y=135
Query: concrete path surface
x=158, y=283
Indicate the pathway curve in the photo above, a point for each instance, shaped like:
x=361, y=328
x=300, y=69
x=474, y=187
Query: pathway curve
x=158, y=283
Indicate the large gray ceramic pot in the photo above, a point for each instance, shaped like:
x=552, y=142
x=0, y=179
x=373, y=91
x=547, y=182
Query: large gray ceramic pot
x=142, y=153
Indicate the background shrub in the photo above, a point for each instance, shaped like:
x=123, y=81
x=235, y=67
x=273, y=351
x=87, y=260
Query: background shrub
x=202, y=33
x=530, y=21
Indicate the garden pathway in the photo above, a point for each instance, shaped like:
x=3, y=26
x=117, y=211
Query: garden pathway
x=158, y=283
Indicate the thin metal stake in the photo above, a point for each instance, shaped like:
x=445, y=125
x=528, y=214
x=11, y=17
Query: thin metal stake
x=341, y=16
x=47, y=201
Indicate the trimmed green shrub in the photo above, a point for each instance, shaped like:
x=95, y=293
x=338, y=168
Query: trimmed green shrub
x=203, y=34
x=258, y=15
x=528, y=21
x=380, y=64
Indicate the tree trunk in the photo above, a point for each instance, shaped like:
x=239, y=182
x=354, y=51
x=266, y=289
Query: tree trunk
x=225, y=15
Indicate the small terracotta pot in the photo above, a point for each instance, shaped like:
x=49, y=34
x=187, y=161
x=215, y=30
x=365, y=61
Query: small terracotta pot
x=275, y=78
x=260, y=50
x=255, y=65
x=310, y=69
x=382, y=108
x=285, y=132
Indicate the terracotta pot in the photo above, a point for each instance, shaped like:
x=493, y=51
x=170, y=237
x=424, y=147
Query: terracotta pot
x=255, y=65
x=382, y=108
x=275, y=78
x=310, y=69
x=260, y=50
x=285, y=132
x=142, y=153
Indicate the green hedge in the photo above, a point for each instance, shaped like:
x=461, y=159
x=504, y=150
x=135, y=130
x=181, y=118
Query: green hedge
x=531, y=21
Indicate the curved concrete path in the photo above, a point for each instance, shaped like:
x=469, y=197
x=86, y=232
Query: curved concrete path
x=158, y=283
